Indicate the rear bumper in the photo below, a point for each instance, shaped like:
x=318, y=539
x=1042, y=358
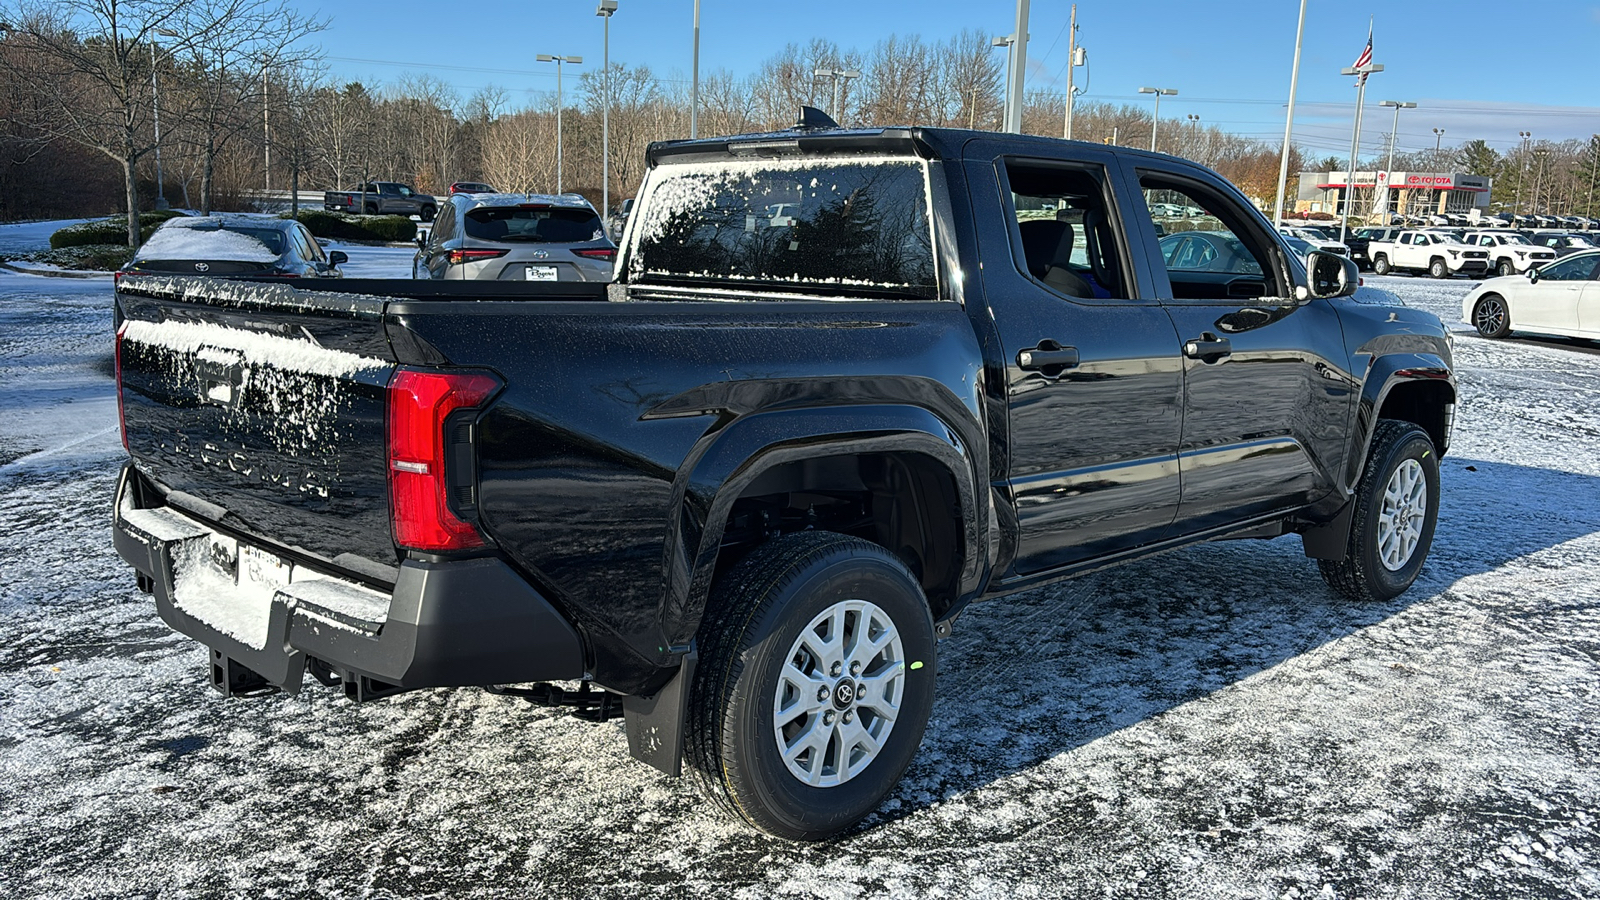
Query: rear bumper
x=455, y=623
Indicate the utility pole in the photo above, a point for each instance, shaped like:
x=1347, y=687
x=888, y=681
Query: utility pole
x=1594, y=165
x=266, y=128
x=1288, y=125
x=1072, y=64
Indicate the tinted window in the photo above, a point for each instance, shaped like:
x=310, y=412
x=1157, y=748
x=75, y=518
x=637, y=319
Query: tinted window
x=1573, y=268
x=539, y=224
x=1066, y=238
x=803, y=223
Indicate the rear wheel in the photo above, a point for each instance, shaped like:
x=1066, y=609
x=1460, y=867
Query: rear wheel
x=1491, y=317
x=1438, y=269
x=1380, y=265
x=427, y=214
x=1505, y=268
x=370, y=209
x=1397, y=507
x=815, y=683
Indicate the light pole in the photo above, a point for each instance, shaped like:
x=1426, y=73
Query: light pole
x=558, y=60
x=694, y=85
x=1194, y=122
x=1019, y=64
x=1156, y=122
x=1288, y=125
x=1381, y=198
x=837, y=76
x=1005, y=109
x=1538, y=181
x=605, y=10
x=1394, y=130
x=1361, y=73
x=155, y=103
x=1522, y=174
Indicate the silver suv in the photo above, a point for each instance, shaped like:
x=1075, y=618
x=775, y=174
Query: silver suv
x=515, y=237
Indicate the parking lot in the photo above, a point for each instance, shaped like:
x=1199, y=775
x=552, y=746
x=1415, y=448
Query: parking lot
x=1212, y=723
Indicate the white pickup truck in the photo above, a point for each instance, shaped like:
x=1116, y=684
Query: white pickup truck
x=1438, y=253
x=1509, y=252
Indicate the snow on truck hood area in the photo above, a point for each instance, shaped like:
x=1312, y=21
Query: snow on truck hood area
x=1210, y=723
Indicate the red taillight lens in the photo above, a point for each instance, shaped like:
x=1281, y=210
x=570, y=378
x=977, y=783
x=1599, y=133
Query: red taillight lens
x=122, y=417
x=457, y=257
x=420, y=402
x=605, y=253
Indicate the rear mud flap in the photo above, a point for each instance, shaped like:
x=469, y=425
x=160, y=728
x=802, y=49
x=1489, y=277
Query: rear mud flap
x=655, y=724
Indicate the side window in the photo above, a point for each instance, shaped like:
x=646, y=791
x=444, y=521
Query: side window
x=444, y=225
x=1211, y=248
x=1573, y=268
x=1067, y=240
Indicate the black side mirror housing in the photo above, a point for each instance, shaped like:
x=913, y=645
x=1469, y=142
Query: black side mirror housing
x=1331, y=275
x=1533, y=274
x=422, y=238
x=337, y=257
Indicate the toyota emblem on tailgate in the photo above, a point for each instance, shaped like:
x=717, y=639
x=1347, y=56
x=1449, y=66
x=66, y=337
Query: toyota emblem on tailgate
x=541, y=254
x=201, y=267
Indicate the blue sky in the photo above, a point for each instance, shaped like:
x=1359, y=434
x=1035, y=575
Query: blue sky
x=1477, y=68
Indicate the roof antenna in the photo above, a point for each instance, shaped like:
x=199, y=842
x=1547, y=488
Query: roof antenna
x=811, y=117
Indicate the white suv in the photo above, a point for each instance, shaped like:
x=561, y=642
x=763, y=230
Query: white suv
x=1509, y=252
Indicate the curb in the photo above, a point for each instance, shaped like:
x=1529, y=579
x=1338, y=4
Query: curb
x=52, y=273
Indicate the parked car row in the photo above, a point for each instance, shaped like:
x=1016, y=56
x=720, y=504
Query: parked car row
x=1498, y=220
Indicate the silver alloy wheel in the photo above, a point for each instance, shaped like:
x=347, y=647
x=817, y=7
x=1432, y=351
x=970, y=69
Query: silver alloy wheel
x=839, y=693
x=1490, y=317
x=1405, y=510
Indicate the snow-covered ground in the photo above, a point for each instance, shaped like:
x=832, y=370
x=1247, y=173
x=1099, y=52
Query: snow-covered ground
x=1213, y=723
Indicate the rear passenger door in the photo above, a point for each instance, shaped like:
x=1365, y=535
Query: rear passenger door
x=1264, y=409
x=1091, y=369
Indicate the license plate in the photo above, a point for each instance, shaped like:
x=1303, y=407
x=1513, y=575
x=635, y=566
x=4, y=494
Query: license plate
x=541, y=273
x=262, y=568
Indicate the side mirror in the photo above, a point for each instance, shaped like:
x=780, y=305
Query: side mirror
x=422, y=238
x=1331, y=275
x=1533, y=275
x=337, y=257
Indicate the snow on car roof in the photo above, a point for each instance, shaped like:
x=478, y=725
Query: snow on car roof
x=207, y=237
x=574, y=201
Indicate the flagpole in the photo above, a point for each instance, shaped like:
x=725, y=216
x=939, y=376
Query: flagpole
x=1363, y=68
x=1288, y=125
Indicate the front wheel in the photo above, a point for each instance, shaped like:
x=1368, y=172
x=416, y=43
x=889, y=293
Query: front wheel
x=1505, y=268
x=816, y=680
x=427, y=214
x=1380, y=265
x=1491, y=317
x=1438, y=269
x=1397, y=507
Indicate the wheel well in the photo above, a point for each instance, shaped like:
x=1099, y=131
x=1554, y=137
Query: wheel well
x=907, y=503
x=1428, y=404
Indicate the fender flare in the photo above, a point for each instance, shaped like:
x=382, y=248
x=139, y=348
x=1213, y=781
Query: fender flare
x=719, y=470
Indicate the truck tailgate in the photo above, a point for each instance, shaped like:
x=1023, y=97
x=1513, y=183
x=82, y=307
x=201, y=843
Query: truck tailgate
x=261, y=409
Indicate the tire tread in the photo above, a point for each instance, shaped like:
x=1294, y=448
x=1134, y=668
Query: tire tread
x=1348, y=576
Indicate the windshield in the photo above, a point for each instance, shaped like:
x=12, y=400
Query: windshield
x=801, y=223
x=534, y=223
x=1578, y=241
x=269, y=236
x=1513, y=239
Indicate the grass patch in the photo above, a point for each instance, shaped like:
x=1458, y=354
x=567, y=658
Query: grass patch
x=343, y=227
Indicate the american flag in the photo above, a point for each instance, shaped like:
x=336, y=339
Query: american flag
x=1365, y=58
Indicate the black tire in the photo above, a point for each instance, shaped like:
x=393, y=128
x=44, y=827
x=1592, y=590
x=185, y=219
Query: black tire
x=757, y=613
x=1380, y=265
x=1362, y=574
x=370, y=209
x=1505, y=268
x=1491, y=317
x=1437, y=268
x=427, y=214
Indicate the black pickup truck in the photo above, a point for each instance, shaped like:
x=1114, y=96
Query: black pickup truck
x=741, y=493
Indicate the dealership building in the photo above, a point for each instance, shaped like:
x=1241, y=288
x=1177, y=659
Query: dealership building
x=1393, y=193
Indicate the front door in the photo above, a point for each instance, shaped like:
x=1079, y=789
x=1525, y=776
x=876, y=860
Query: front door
x=1552, y=301
x=1092, y=374
x=1264, y=406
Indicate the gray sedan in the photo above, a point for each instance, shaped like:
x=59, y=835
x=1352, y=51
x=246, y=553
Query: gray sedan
x=516, y=237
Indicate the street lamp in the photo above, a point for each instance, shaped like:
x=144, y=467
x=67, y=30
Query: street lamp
x=1398, y=105
x=605, y=10
x=558, y=60
x=694, y=84
x=1361, y=73
x=1005, y=110
x=1522, y=174
x=838, y=76
x=1155, y=122
x=155, y=102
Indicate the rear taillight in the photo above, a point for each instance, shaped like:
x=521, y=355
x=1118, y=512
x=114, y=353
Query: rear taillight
x=431, y=463
x=122, y=416
x=605, y=253
x=457, y=257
